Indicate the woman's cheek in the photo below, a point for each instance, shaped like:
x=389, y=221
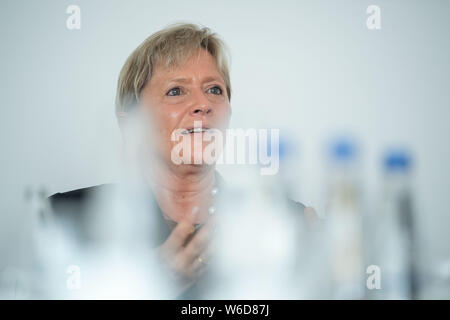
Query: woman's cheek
x=225, y=117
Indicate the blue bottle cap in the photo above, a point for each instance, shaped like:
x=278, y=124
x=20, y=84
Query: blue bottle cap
x=397, y=160
x=343, y=150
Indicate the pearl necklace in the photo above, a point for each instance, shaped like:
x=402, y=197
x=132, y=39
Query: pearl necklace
x=211, y=209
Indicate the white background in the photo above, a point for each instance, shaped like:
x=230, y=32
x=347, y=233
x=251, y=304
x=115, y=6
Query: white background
x=311, y=66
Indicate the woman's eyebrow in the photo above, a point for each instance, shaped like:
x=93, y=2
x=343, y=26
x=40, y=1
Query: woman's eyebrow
x=212, y=78
x=186, y=80
x=182, y=80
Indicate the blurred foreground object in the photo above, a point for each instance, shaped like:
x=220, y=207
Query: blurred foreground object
x=344, y=222
x=395, y=239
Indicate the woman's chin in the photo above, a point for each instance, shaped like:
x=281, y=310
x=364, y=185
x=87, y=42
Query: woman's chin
x=201, y=160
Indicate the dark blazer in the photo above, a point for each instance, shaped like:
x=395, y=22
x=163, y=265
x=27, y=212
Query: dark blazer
x=73, y=208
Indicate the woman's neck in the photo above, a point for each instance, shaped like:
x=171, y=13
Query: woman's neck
x=179, y=190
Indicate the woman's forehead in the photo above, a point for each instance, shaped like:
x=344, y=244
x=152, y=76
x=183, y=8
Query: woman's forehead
x=199, y=67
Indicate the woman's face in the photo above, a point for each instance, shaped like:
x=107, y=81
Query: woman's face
x=175, y=98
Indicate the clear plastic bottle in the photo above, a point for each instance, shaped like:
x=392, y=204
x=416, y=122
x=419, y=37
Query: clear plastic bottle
x=256, y=238
x=344, y=222
x=394, y=241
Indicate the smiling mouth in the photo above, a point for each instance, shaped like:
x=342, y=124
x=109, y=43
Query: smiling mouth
x=195, y=130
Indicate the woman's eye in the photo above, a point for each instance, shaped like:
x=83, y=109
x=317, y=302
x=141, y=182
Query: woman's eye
x=215, y=90
x=174, y=92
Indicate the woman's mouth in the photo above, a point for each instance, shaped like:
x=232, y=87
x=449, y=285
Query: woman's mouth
x=195, y=130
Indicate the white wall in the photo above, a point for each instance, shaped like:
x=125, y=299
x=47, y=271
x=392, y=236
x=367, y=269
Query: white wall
x=311, y=66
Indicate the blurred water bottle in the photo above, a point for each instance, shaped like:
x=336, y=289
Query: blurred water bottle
x=308, y=273
x=290, y=166
x=255, y=241
x=344, y=222
x=395, y=229
x=284, y=182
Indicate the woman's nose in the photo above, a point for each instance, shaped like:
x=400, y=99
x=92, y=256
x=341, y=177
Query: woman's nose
x=200, y=105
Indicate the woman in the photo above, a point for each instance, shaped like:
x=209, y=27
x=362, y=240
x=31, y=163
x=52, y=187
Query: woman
x=177, y=78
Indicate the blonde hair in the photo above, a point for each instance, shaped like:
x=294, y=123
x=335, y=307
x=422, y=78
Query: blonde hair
x=171, y=46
